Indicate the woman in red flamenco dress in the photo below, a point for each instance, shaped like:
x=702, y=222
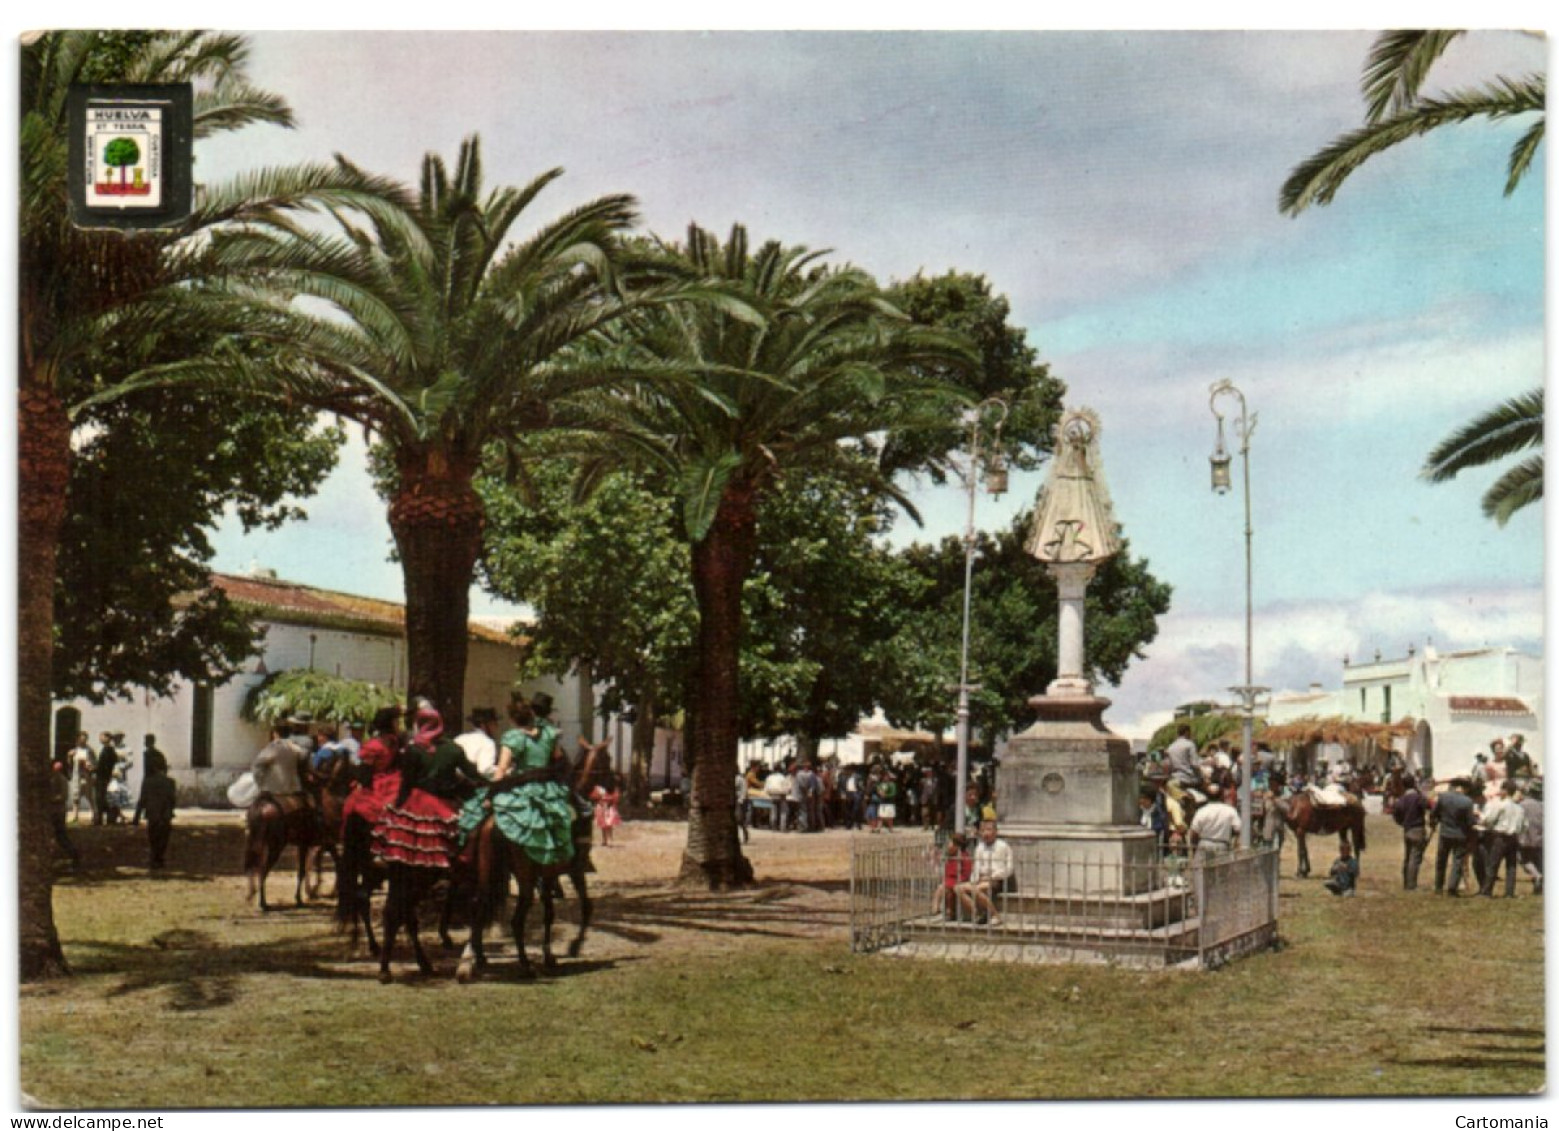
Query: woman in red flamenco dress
x=419, y=824
x=380, y=758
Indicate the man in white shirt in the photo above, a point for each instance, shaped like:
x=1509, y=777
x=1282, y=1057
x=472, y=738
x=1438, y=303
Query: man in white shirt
x=992, y=866
x=1503, y=823
x=777, y=787
x=479, y=742
x=1216, y=824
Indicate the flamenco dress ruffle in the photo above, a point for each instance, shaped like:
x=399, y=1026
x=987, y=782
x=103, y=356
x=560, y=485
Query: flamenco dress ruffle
x=538, y=817
x=369, y=802
x=420, y=832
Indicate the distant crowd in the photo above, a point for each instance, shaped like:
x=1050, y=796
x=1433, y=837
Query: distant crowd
x=799, y=796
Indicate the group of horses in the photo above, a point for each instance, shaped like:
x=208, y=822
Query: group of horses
x=478, y=878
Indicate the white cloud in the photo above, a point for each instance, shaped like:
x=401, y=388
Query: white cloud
x=1199, y=654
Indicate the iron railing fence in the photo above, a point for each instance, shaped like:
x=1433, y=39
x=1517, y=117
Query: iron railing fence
x=1209, y=908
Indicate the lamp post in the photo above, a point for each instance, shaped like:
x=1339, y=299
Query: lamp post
x=996, y=483
x=1243, y=426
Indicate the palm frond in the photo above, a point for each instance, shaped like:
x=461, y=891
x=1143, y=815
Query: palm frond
x=1398, y=64
x=233, y=105
x=704, y=480
x=1522, y=153
x=1316, y=180
x=1520, y=486
x=1505, y=430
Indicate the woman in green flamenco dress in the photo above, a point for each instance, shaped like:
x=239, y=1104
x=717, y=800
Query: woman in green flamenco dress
x=531, y=809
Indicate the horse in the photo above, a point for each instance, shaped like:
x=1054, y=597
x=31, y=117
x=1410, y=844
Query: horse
x=274, y=823
x=1302, y=815
x=494, y=859
x=331, y=789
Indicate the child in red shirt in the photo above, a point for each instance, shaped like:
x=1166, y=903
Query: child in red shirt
x=957, y=865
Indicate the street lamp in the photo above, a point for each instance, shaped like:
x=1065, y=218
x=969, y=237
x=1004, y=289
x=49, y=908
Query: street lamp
x=996, y=484
x=1243, y=427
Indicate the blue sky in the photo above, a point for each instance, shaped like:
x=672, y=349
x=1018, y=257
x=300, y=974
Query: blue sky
x=1121, y=189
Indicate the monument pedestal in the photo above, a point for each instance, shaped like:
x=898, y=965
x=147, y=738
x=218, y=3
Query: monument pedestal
x=1069, y=805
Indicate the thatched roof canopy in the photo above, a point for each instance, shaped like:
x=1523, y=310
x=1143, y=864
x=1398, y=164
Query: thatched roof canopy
x=1345, y=732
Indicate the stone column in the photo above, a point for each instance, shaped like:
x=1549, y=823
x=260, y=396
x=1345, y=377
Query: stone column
x=1071, y=580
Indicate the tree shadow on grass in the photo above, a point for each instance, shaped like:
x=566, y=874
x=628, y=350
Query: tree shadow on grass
x=769, y=910
x=1530, y=1043
x=197, y=853
x=1476, y=1063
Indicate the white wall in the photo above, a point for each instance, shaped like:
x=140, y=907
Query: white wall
x=380, y=658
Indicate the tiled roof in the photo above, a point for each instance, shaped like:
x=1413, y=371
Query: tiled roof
x=1488, y=705
x=304, y=604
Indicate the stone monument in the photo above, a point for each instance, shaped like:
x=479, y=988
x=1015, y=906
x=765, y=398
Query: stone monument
x=1068, y=786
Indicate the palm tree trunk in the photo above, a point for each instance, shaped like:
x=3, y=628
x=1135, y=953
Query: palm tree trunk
x=721, y=563
x=44, y=461
x=437, y=521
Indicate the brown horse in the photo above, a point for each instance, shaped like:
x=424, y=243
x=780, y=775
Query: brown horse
x=273, y=824
x=495, y=858
x=1306, y=818
x=333, y=782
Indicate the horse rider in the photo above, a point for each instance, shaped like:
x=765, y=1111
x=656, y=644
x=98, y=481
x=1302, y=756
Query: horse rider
x=277, y=774
x=1181, y=758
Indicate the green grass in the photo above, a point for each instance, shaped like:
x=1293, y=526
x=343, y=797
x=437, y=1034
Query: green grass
x=1385, y=994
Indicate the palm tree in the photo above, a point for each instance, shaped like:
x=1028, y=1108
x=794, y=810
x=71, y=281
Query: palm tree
x=440, y=339
x=1398, y=64
x=84, y=331
x=796, y=374
x=1515, y=426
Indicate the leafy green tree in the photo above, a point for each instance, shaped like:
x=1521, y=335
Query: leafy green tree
x=1396, y=110
x=822, y=608
x=120, y=154
x=1503, y=432
x=607, y=578
x=805, y=364
x=151, y=476
x=1009, y=368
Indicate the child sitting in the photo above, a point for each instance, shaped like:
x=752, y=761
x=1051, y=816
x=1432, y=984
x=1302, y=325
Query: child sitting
x=1344, y=877
x=957, y=865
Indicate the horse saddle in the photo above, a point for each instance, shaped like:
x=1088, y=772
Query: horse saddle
x=1332, y=797
x=297, y=809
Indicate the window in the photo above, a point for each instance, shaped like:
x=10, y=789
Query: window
x=1385, y=712
x=200, y=728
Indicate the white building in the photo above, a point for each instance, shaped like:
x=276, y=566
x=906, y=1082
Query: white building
x=200, y=727
x=1459, y=702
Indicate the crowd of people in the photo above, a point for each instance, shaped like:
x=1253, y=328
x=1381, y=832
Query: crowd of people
x=1491, y=816
x=880, y=796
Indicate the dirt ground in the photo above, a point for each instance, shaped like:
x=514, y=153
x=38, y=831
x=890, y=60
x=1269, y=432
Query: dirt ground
x=802, y=889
